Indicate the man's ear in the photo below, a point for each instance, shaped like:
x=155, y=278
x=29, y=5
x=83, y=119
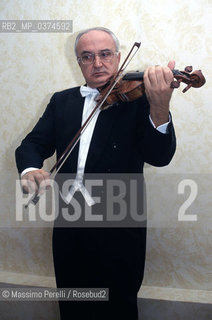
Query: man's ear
x=119, y=56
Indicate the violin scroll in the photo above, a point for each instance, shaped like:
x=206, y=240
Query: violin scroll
x=194, y=79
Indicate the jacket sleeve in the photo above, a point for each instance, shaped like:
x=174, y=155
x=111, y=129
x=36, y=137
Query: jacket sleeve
x=156, y=148
x=39, y=144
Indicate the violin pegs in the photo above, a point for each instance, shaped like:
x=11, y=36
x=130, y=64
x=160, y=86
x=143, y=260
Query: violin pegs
x=175, y=84
x=187, y=87
x=188, y=69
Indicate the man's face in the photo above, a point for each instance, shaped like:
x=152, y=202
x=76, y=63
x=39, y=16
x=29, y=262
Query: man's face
x=99, y=72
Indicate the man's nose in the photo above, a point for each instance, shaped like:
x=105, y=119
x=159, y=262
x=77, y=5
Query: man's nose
x=97, y=61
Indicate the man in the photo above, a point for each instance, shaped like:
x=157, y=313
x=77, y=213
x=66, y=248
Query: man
x=118, y=140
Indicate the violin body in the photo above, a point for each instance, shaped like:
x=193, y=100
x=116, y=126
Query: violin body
x=125, y=91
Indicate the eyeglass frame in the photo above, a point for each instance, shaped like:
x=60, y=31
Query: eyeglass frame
x=79, y=59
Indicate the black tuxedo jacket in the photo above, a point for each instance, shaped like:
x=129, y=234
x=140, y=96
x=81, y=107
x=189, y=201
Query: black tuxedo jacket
x=123, y=138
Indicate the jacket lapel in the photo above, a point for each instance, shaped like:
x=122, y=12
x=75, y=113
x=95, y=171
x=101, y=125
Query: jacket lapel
x=74, y=116
x=101, y=134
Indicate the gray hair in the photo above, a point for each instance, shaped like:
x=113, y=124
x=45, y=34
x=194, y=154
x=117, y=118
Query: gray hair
x=98, y=29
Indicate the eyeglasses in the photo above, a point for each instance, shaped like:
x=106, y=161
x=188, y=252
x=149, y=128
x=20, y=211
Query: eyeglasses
x=88, y=58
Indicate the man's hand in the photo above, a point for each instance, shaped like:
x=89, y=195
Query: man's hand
x=35, y=181
x=157, y=82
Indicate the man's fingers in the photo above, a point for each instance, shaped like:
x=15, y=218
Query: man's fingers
x=158, y=76
x=168, y=75
x=171, y=64
x=36, y=181
x=150, y=76
x=29, y=185
x=42, y=181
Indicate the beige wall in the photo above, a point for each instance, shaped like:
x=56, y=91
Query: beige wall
x=33, y=66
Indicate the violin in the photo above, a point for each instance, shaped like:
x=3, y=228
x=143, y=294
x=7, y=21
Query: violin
x=131, y=86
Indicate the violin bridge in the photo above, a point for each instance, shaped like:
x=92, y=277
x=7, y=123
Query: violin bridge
x=123, y=97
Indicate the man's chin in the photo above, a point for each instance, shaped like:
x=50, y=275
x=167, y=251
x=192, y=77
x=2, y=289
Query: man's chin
x=99, y=82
